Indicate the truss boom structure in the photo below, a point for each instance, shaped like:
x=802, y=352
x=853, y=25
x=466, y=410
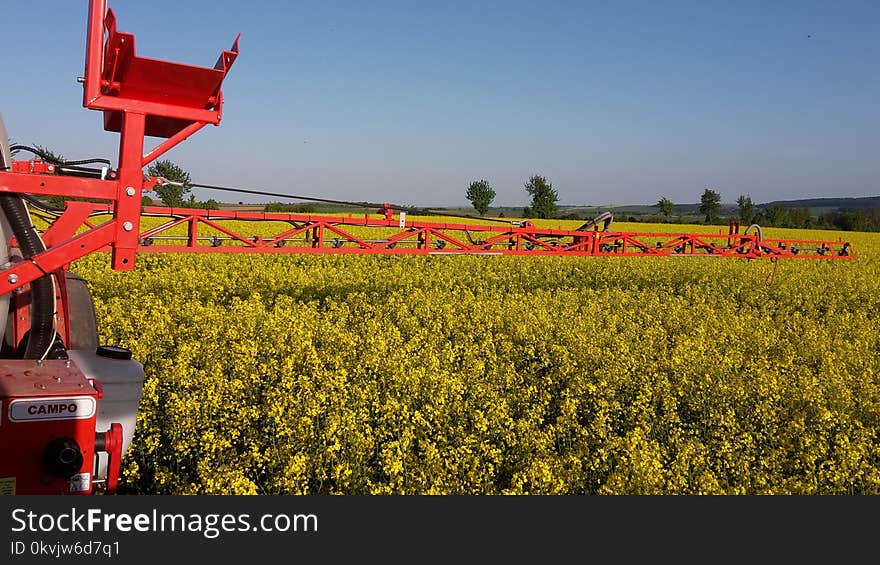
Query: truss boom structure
x=218, y=231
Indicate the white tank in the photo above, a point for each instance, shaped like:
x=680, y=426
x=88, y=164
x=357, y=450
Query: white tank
x=123, y=381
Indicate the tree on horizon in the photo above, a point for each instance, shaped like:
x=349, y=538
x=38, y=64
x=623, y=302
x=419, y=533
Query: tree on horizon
x=746, y=208
x=171, y=195
x=666, y=207
x=481, y=195
x=544, y=198
x=710, y=205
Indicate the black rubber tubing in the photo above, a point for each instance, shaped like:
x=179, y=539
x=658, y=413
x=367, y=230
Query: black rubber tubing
x=42, y=332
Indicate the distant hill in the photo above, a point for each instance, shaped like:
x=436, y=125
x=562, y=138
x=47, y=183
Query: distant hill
x=828, y=204
x=817, y=206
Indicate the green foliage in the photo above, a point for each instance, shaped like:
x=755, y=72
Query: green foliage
x=852, y=220
x=666, y=207
x=290, y=208
x=544, y=198
x=867, y=220
x=170, y=194
x=773, y=215
x=746, y=209
x=710, y=206
x=55, y=201
x=48, y=155
x=481, y=195
x=211, y=204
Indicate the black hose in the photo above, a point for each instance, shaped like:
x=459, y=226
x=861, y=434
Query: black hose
x=42, y=333
x=42, y=206
x=49, y=159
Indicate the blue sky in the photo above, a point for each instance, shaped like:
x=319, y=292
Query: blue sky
x=614, y=102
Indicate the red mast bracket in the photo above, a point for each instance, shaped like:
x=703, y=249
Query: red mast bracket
x=144, y=97
x=173, y=96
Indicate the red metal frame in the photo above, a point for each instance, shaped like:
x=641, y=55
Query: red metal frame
x=328, y=234
x=309, y=233
x=113, y=441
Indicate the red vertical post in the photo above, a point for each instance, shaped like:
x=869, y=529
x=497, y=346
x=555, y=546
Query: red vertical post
x=127, y=208
x=193, y=231
x=114, y=441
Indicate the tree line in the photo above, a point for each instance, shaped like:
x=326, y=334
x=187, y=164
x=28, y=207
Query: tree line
x=543, y=204
x=778, y=216
x=544, y=200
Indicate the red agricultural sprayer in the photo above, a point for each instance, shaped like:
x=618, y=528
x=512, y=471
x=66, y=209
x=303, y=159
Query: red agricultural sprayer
x=68, y=404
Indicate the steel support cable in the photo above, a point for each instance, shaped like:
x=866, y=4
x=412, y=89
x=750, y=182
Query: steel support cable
x=408, y=209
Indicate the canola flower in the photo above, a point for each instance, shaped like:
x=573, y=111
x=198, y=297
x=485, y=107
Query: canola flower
x=320, y=374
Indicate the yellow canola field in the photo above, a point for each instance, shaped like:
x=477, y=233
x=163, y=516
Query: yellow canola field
x=320, y=374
